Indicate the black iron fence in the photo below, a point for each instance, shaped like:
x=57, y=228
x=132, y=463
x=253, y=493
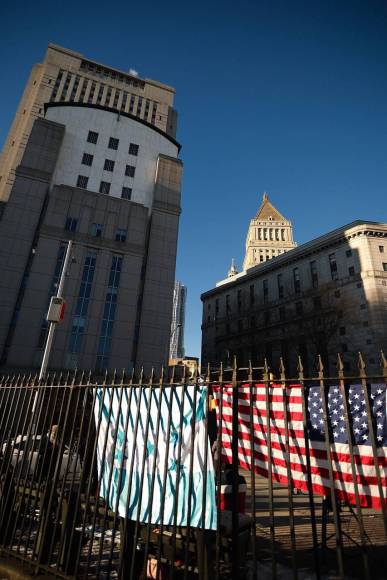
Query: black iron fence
x=239, y=472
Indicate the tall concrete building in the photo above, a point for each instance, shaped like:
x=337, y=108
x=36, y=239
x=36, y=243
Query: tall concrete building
x=91, y=157
x=66, y=76
x=326, y=296
x=176, y=347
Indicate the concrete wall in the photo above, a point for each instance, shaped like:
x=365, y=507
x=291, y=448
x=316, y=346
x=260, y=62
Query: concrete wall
x=79, y=121
x=21, y=218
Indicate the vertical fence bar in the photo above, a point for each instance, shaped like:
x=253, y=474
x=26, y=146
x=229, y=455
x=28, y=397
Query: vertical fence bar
x=154, y=466
x=123, y=465
x=266, y=380
x=69, y=545
x=86, y=476
x=69, y=425
x=27, y=424
x=102, y=465
x=328, y=443
x=340, y=370
x=165, y=467
x=363, y=380
x=11, y=419
x=125, y=565
x=51, y=460
x=218, y=472
x=38, y=410
x=112, y=453
x=10, y=394
x=87, y=498
x=288, y=469
x=205, y=539
x=178, y=470
x=45, y=548
x=190, y=475
x=31, y=486
x=141, y=483
x=235, y=474
x=312, y=509
x=43, y=450
x=252, y=471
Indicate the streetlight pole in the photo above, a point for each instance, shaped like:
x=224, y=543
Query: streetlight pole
x=51, y=329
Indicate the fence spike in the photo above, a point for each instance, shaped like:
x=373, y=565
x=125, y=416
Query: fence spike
x=320, y=365
x=194, y=375
x=266, y=368
x=383, y=363
x=282, y=369
x=340, y=365
x=172, y=377
x=300, y=367
x=361, y=365
x=185, y=375
x=208, y=377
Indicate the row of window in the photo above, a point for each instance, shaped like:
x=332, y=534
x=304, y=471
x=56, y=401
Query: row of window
x=109, y=164
x=284, y=314
x=113, y=143
x=96, y=229
x=101, y=94
x=277, y=234
x=104, y=186
x=296, y=281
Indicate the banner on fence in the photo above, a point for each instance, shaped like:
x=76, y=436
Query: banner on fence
x=148, y=474
x=253, y=438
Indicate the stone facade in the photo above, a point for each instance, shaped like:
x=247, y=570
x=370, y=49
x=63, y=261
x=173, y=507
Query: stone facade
x=323, y=297
x=269, y=235
x=119, y=287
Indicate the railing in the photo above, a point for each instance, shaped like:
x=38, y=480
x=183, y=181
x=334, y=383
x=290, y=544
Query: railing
x=231, y=474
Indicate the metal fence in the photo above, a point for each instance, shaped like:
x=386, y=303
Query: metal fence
x=224, y=475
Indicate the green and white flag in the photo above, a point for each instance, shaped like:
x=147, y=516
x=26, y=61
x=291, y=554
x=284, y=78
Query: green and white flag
x=152, y=458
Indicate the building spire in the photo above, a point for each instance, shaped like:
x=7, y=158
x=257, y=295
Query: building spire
x=233, y=270
x=270, y=234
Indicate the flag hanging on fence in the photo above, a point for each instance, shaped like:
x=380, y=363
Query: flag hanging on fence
x=252, y=439
x=150, y=477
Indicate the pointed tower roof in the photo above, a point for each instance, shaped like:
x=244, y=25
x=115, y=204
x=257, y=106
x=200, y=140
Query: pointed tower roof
x=267, y=211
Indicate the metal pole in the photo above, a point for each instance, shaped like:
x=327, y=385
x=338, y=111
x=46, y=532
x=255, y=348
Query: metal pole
x=51, y=330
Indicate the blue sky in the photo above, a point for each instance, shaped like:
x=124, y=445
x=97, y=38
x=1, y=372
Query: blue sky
x=288, y=97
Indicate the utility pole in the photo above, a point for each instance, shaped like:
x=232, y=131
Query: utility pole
x=52, y=326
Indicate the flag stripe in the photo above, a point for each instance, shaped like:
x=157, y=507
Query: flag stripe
x=253, y=438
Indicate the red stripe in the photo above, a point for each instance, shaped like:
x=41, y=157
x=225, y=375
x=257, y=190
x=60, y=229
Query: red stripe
x=296, y=447
x=359, y=459
x=314, y=470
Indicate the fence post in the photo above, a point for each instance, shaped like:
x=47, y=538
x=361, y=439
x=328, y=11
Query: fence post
x=235, y=474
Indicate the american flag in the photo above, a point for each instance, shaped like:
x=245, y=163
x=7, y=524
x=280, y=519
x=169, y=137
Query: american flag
x=253, y=442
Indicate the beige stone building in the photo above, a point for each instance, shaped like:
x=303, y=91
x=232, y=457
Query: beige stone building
x=323, y=297
x=270, y=234
x=66, y=76
x=91, y=157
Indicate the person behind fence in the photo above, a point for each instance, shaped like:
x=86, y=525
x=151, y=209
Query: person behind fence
x=48, y=454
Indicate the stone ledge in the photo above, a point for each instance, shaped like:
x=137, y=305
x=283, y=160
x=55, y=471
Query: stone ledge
x=13, y=569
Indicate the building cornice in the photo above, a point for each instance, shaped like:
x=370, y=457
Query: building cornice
x=329, y=240
x=115, y=112
x=80, y=56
